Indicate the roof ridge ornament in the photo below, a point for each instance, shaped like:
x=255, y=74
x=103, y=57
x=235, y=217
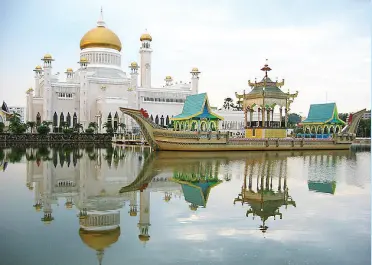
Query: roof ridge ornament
x=266, y=68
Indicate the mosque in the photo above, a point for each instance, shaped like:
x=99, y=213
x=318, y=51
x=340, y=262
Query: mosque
x=95, y=91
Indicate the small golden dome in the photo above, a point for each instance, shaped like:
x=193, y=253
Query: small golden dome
x=145, y=36
x=133, y=213
x=38, y=67
x=69, y=70
x=83, y=60
x=195, y=69
x=47, y=222
x=144, y=238
x=38, y=207
x=68, y=205
x=47, y=56
x=168, y=77
x=100, y=37
x=99, y=240
x=193, y=207
x=133, y=64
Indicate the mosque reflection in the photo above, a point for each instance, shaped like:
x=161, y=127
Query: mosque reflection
x=98, y=183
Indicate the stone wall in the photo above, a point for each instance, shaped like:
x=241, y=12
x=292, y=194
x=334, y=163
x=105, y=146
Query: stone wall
x=55, y=138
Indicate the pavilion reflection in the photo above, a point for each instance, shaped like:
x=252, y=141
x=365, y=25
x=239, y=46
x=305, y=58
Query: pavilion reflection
x=265, y=188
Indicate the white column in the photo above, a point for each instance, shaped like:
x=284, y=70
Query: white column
x=145, y=52
x=195, y=81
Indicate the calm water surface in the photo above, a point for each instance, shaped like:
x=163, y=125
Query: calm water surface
x=63, y=206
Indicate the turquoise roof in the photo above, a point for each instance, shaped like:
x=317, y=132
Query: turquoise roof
x=323, y=113
x=196, y=106
x=323, y=187
x=197, y=193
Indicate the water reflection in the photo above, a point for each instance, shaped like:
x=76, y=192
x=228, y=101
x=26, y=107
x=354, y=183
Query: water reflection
x=265, y=201
x=105, y=185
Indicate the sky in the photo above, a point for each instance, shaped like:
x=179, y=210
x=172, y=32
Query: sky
x=321, y=48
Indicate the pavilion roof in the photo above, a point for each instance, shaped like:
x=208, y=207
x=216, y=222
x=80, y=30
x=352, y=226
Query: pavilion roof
x=269, y=85
x=323, y=113
x=197, y=106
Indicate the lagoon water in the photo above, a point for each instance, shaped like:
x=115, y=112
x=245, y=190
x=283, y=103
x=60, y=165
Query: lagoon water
x=63, y=206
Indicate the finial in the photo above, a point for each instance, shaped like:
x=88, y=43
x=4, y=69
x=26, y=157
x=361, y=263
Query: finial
x=266, y=68
x=100, y=22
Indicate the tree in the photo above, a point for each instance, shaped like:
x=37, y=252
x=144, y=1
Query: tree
x=122, y=127
x=364, y=128
x=93, y=125
x=15, y=124
x=294, y=119
x=228, y=103
x=343, y=116
x=2, y=126
x=78, y=126
x=108, y=126
x=31, y=125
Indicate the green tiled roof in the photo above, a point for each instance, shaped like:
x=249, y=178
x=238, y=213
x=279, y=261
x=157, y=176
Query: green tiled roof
x=271, y=89
x=323, y=113
x=195, y=106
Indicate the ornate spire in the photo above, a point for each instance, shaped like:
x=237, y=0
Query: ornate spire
x=266, y=68
x=101, y=22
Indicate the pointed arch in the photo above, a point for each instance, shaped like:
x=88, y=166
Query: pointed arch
x=116, y=121
x=61, y=119
x=55, y=119
x=74, y=120
x=157, y=119
x=167, y=120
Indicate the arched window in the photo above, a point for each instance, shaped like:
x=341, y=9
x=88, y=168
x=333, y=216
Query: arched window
x=74, y=120
x=61, y=119
x=55, y=119
x=38, y=119
x=68, y=119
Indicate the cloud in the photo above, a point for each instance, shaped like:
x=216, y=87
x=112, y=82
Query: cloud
x=317, y=54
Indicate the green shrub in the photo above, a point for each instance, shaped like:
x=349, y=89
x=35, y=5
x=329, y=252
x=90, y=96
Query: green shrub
x=42, y=129
x=89, y=130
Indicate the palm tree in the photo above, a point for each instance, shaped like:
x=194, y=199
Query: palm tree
x=122, y=126
x=78, y=126
x=108, y=126
x=31, y=125
x=47, y=123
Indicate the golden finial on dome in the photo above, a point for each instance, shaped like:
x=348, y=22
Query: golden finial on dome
x=146, y=36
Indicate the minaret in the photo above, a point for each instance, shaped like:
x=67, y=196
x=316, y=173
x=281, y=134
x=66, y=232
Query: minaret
x=132, y=96
x=145, y=52
x=29, y=110
x=47, y=193
x=38, y=72
x=195, y=81
x=144, y=220
x=168, y=80
x=83, y=110
x=69, y=75
x=47, y=93
x=133, y=204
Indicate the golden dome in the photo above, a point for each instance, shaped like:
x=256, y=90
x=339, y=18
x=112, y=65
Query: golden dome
x=168, y=77
x=68, y=205
x=145, y=36
x=144, y=238
x=47, y=222
x=83, y=60
x=99, y=240
x=133, y=64
x=195, y=69
x=133, y=213
x=100, y=37
x=38, y=67
x=38, y=207
x=69, y=70
x=47, y=56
